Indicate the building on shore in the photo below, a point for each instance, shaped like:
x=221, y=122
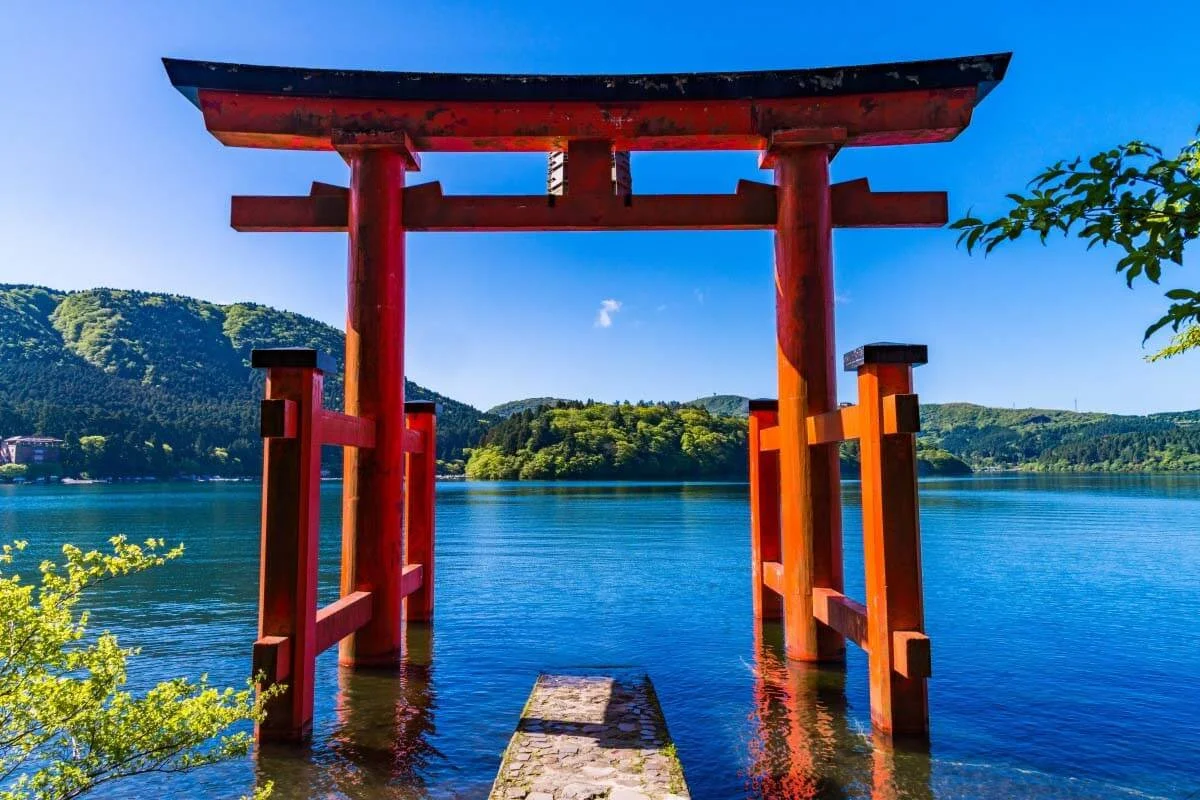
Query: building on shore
x=30, y=450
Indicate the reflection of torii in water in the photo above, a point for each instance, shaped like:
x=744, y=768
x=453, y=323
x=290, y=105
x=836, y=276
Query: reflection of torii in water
x=804, y=746
x=380, y=122
x=381, y=739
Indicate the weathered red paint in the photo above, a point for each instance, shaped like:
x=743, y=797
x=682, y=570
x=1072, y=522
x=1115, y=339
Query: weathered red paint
x=373, y=489
x=810, y=480
x=420, y=497
x=310, y=123
x=288, y=560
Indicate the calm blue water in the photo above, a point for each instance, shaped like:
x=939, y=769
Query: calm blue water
x=1063, y=613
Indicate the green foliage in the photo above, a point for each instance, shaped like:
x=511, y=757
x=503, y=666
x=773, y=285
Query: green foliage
x=528, y=404
x=936, y=461
x=576, y=441
x=733, y=404
x=1132, y=197
x=163, y=380
x=1050, y=440
x=10, y=471
x=67, y=725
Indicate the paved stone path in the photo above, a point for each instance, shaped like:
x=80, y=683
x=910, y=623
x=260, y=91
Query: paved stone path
x=590, y=738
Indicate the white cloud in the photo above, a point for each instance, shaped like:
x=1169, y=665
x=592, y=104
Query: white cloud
x=699, y=295
x=604, y=317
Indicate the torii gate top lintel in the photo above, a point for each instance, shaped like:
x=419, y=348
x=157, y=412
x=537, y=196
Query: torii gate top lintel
x=306, y=109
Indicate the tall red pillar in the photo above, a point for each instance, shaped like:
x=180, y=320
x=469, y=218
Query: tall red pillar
x=373, y=493
x=809, y=479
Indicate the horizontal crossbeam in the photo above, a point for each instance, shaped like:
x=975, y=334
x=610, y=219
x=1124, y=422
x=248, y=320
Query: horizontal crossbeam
x=338, y=620
x=856, y=206
x=847, y=617
x=278, y=419
x=411, y=579
x=272, y=657
x=341, y=429
x=911, y=656
x=772, y=576
x=901, y=414
x=751, y=207
x=833, y=426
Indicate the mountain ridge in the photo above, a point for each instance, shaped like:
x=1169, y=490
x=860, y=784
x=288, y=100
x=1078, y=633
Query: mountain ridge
x=160, y=383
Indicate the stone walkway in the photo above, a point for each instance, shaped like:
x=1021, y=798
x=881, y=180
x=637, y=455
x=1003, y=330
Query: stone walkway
x=591, y=738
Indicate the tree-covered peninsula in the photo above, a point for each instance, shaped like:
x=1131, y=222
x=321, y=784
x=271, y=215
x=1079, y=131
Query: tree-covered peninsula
x=598, y=441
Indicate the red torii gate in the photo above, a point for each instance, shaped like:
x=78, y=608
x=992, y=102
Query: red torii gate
x=380, y=122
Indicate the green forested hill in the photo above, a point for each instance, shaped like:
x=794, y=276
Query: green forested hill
x=505, y=410
x=990, y=438
x=140, y=383
x=1050, y=440
x=648, y=441
x=163, y=379
x=604, y=441
x=723, y=404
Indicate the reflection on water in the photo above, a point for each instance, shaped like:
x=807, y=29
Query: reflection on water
x=380, y=746
x=805, y=746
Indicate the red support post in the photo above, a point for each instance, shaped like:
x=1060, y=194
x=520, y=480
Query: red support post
x=764, y=509
x=422, y=475
x=373, y=492
x=899, y=650
x=809, y=474
x=290, y=531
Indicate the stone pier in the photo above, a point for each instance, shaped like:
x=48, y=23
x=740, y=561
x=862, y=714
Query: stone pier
x=591, y=738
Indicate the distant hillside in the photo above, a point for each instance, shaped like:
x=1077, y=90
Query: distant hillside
x=151, y=384
x=1039, y=439
x=505, y=410
x=723, y=404
x=163, y=379
x=1051, y=440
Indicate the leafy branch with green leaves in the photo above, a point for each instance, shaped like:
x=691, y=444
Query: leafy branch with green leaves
x=1132, y=197
x=67, y=725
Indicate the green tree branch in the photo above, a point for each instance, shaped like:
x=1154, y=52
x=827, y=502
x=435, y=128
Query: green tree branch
x=1131, y=197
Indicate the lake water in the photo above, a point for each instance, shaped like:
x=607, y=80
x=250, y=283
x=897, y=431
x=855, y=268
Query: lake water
x=1063, y=613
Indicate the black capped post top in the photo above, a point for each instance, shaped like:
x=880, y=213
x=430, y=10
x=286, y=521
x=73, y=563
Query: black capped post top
x=764, y=404
x=293, y=358
x=421, y=407
x=886, y=353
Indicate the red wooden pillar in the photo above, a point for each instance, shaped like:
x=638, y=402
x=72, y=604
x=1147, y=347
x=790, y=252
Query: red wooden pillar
x=373, y=493
x=899, y=649
x=287, y=644
x=422, y=475
x=764, y=509
x=809, y=477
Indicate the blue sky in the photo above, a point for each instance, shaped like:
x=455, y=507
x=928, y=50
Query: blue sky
x=110, y=180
